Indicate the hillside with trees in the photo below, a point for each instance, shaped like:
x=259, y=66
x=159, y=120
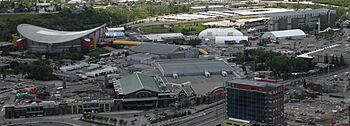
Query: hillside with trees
x=90, y=18
x=345, y=3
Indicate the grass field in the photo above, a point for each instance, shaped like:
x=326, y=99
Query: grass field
x=193, y=28
x=344, y=3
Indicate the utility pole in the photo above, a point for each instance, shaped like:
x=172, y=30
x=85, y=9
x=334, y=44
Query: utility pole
x=349, y=114
x=298, y=5
x=329, y=63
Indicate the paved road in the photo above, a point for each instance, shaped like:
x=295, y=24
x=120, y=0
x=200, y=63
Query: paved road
x=213, y=115
x=322, y=76
x=67, y=119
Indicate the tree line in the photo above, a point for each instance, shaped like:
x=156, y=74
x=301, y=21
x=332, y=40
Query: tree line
x=344, y=3
x=281, y=65
x=38, y=70
x=90, y=18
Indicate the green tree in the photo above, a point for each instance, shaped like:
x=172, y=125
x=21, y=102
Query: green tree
x=333, y=59
x=342, y=60
x=326, y=60
x=90, y=18
x=279, y=65
x=171, y=30
x=121, y=122
x=38, y=70
x=336, y=61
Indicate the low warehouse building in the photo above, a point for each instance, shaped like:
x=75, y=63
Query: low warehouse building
x=141, y=58
x=166, y=51
x=49, y=108
x=231, y=40
x=141, y=91
x=163, y=37
x=193, y=67
x=295, y=34
x=206, y=76
x=115, y=32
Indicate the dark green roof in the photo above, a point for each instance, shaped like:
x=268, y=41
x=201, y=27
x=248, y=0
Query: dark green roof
x=138, y=81
x=188, y=89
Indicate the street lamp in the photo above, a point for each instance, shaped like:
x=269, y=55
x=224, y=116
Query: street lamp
x=329, y=62
x=333, y=119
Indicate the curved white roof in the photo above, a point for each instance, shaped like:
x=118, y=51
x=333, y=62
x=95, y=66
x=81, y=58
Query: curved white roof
x=211, y=33
x=44, y=35
x=284, y=33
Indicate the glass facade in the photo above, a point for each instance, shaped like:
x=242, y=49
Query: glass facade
x=253, y=105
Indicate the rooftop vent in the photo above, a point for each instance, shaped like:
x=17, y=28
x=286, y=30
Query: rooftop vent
x=206, y=74
x=224, y=73
x=175, y=76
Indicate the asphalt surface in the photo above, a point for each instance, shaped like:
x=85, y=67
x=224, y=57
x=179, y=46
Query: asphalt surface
x=213, y=115
x=72, y=120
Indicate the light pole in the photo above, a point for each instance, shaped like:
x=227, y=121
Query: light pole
x=333, y=118
x=329, y=62
x=140, y=120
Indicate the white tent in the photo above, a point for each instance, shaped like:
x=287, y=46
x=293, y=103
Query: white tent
x=211, y=33
x=295, y=34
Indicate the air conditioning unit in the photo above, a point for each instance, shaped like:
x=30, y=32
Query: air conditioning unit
x=206, y=74
x=175, y=76
x=224, y=73
x=163, y=87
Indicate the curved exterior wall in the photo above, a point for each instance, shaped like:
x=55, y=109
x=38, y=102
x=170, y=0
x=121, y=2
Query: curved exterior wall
x=58, y=47
x=211, y=33
x=269, y=35
x=52, y=48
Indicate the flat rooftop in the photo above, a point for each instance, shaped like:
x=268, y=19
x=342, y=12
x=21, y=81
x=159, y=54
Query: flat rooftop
x=258, y=11
x=3, y=44
x=159, y=37
x=301, y=12
x=155, y=48
x=188, y=67
x=254, y=83
x=201, y=84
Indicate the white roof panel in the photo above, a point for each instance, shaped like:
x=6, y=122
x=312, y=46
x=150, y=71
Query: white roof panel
x=116, y=29
x=258, y=11
x=287, y=33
